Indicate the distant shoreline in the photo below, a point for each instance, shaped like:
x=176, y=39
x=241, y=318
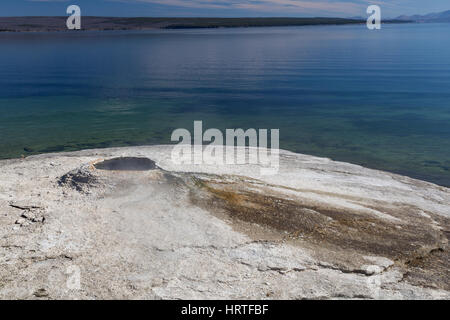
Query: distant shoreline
x=54, y=24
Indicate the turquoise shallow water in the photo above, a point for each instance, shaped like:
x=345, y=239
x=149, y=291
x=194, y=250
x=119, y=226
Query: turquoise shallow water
x=380, y=99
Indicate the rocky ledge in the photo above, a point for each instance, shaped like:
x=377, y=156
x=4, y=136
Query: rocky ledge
x=128, y=223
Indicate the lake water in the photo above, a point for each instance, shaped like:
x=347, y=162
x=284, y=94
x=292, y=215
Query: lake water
x=376, y=98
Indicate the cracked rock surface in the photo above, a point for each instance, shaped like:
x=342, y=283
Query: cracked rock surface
x=318, y=229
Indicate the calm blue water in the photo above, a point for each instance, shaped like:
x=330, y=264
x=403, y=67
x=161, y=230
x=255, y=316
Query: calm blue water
x=380, y=99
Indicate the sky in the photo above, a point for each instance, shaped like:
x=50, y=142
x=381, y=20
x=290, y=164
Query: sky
x=221, y=8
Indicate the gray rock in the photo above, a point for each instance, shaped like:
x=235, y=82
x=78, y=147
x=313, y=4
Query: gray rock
x=317, y=229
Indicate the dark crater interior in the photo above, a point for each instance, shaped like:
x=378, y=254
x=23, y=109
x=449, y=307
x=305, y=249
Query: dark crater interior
x=127, y=164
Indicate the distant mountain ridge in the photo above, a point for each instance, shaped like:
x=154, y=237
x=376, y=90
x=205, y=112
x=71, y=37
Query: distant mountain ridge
x=33, y=24
x=431, y=17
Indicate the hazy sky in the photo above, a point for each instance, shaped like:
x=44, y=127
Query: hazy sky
x=221, y=8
